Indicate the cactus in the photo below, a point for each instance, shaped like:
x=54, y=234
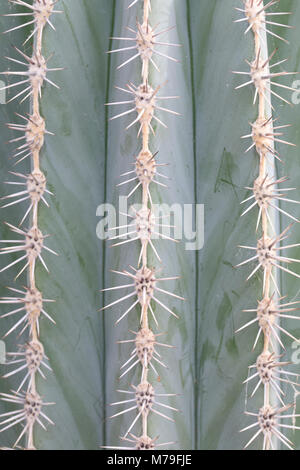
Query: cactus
x=82, y=163
x=30, y=358
x=267, y=191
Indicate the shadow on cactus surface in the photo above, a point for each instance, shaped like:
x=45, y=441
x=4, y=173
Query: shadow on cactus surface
x=207, y=165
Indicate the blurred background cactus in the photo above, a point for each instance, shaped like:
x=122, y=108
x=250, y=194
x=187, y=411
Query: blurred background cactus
x=82, y=164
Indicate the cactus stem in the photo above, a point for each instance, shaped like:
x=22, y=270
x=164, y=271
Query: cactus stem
x=266, y=195
x=32, y=353
x=143, y=227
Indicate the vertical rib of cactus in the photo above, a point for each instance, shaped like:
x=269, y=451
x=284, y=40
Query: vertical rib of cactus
x=269, y=311
x=145, y=198
x=144, y=97
x=265, y=169
x=264, y=112
x=35, y=105
x=29, y=398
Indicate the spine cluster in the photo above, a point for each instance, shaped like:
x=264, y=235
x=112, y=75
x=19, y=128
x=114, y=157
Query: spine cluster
x=267, y=193
x=31, y=74
x=143, y=281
